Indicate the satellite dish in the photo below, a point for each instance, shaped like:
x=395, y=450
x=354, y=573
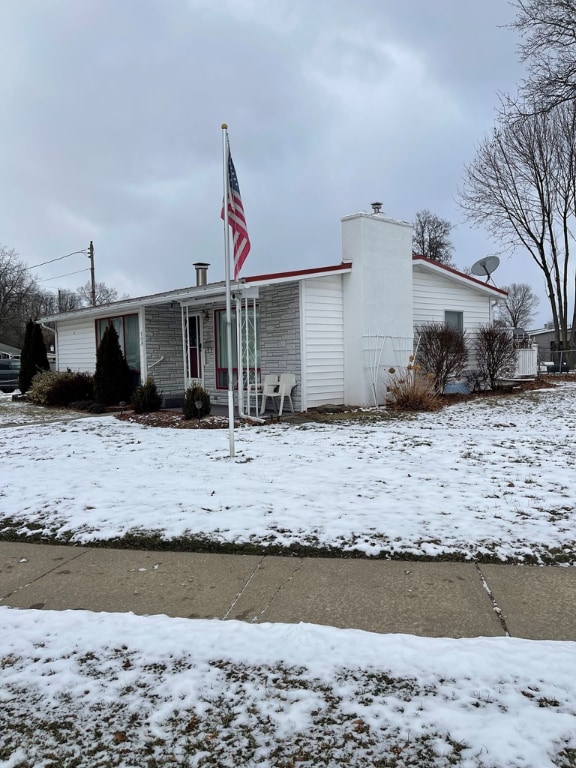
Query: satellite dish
x=484, y=267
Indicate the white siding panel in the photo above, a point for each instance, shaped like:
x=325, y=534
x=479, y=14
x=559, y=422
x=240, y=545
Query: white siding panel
x=77, y=345
x=434, y=294
x=323, y=341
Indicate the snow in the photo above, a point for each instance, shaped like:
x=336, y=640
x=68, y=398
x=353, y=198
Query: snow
x=256, y=694
x=483, y=477
x=95, y=689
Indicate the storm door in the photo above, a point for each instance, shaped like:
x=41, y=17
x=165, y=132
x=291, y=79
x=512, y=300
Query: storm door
x=193, y=329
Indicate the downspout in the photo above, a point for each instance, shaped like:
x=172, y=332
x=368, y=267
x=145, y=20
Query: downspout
x=55, y=332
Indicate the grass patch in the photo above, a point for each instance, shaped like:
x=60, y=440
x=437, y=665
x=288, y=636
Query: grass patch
x=11, y=531
x=349, y=720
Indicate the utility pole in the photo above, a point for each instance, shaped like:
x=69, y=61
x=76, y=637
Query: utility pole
x=92, y=278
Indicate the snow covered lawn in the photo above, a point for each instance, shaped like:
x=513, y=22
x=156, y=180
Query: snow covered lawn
x=487, y=478
x=84, y=690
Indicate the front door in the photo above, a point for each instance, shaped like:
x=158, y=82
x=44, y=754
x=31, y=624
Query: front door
x=194, y=344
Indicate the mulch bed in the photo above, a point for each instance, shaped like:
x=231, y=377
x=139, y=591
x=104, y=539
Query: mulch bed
x=175, y=420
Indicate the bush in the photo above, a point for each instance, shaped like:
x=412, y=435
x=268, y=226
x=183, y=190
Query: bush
x=196, y=393
x=409, y=389
x=442, y=352
x=495, y=354
x=33, y=358
x=112, y=379
x=60, y=388
x=145, y=398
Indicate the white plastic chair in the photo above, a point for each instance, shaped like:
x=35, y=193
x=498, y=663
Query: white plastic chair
x=285, y=386
x=269, y=388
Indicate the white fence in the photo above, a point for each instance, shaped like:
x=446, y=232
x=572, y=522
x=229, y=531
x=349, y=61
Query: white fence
x=526, y=362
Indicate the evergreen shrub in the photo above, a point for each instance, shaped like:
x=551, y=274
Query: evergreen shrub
x=33, y=357
x=196, y=393
x=112, y=378
x=146, y=398
x=60, y=388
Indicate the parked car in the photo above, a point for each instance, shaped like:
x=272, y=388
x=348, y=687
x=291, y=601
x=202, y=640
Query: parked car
x=9, y=372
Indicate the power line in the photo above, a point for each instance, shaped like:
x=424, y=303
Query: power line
x=58, y=259
x=46, y=279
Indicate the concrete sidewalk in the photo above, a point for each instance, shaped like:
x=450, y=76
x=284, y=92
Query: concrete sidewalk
x=427, y=599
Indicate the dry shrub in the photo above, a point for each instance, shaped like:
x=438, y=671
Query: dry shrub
x=442, y=352
x=410, y=389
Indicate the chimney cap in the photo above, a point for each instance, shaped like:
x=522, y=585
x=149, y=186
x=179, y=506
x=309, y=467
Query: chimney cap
x=376, y=207
x=201, y=273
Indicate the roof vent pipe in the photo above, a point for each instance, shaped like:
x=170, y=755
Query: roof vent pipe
x=201, y=273
x=376, y=207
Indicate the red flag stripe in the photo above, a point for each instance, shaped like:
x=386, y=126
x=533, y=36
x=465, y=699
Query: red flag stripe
x=236, y=219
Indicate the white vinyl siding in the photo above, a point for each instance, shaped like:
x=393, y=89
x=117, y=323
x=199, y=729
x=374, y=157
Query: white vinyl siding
x=76, y=345
x=322, y=341
x=433, y=295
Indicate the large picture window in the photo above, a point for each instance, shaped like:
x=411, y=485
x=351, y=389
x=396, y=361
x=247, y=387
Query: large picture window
x=128, y=330
x=250, y=345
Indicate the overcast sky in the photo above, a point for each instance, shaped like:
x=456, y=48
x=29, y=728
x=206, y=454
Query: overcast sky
x=110, y=115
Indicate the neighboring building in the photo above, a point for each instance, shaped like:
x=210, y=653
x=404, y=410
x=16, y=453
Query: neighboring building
x=551, y=354
x=8, y=352
x=338, y=328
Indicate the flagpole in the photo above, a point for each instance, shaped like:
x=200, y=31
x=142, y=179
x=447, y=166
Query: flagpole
x=225, y=152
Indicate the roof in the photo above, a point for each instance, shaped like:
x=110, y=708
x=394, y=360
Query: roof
x=6, y=349
x=210, y=291
x=215, y=291
x=421, y=262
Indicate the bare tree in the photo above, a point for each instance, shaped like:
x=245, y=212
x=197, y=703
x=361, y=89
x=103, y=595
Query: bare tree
x=518, y=308
x=104, y=294
x=68, y=301
x=17, y=289
x=431, y=237
x=521, y=187
x=548, y=47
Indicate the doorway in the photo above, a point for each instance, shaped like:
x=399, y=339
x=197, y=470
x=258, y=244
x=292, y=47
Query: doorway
x=194, y=372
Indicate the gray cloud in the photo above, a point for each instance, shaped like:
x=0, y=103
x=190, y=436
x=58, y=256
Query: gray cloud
x=111, y=126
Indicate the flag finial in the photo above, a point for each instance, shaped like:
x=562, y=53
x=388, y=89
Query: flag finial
x=224, y=127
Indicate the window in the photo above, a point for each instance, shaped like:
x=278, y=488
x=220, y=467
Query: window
x=250, y=345
x=128, y=331
x=454, y=320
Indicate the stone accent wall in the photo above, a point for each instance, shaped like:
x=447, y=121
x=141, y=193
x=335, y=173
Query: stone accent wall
x=280, y=346
x=279, y=343
x=164, y=339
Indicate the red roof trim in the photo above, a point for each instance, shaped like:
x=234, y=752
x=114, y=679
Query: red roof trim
x=297, y=273
x=453, y=271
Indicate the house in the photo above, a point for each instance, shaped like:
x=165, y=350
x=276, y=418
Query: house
x=338, y=328
x=552, y=355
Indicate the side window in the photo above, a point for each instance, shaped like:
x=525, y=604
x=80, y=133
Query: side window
x=454, y=320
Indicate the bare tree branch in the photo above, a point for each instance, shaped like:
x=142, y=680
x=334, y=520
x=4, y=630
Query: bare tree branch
x=521, y=187
x=104, y=294
x=518, y=308
x=548, y=47
x=431, y=237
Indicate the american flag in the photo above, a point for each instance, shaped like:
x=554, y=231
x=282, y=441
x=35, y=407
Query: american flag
x=236, y=219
